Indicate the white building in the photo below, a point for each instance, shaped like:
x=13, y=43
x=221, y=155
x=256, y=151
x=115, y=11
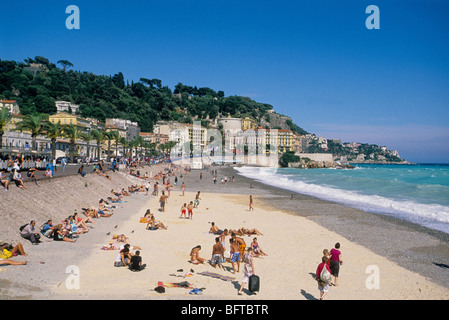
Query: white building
x=66, y=106
x=12, y=105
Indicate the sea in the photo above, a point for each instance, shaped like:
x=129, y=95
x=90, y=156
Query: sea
x=417, y=193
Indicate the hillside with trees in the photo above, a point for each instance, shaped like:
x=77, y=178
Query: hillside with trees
x=36, y=83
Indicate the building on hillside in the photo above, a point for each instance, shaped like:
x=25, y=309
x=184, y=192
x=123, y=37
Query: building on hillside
x=156, y=138
x=12, y=106
x=132, y=128
x=66, y=106
x=36, y=67
x=284, y=140
x=248, y=123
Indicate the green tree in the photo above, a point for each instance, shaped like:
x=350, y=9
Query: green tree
x=108, y=135
x=4, y=120
x=65, y=64
x=288, y=157
x=53, y=131
x=99, y=137
x=73, y=133
x=87, y=136
x=34, y=124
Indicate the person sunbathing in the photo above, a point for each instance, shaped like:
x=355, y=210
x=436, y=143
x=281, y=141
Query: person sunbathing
x=147, y=217
x=9, y=251
x=82, y=222
x=195, y=257
x=61, y=235
x=242, y=231
x=90, y=212
x=214, y=229
x=257, y=250
x=155, y=224
x=11, y=262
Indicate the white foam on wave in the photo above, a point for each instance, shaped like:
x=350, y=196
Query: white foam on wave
x=434, y=216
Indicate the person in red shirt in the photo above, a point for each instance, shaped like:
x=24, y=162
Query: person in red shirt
x=322, y=286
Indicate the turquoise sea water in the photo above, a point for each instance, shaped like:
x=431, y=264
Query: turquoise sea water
x=416, y=193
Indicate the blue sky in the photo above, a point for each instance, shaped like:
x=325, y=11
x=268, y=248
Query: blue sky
x=314, y=61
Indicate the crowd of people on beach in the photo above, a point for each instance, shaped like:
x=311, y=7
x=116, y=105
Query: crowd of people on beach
x=228, y=245
x=68, y=229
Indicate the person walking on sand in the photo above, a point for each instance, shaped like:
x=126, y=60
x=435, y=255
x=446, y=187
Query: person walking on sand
x=162, y=200
x=183, y=211
x=251, y=203
x=190, y=210
x=196, y=203
x=335, y=263
x=248, y=269
x=323, y=284
x=183, y=188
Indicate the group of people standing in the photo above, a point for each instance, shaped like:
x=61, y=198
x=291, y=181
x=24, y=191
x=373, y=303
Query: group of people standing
x=328, y=268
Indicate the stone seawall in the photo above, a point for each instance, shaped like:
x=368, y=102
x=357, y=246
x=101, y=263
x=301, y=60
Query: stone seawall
x=53, y=199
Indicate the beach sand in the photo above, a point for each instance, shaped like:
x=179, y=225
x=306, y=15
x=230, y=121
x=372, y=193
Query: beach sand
x=294, y=245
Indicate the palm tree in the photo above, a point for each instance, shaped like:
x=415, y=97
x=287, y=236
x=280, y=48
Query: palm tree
x=98, y=136
x=115, y=135
x=87, y=136
x=4, y=119
x=53, y=131
x=34, y=124
x=139, y=142
x=125, y=143
x=108, y=136
x=73, y=133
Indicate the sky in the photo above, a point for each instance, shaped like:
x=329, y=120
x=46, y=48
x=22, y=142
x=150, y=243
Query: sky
x=315, y=61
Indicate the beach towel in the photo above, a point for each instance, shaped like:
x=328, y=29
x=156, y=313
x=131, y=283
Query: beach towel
x=183, y=284
x=216, y=275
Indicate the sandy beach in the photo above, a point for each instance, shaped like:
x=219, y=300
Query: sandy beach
x=294, y=236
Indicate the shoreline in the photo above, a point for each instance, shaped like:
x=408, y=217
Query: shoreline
x=309, y=215
x=417, y=248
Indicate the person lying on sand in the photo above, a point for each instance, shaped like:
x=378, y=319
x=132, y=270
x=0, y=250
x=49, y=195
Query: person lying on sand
x=214, y=229
x=243, y=231
x=11, y=262
x=9, y=251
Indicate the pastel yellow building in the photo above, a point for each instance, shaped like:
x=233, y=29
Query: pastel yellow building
x=284, y=139
x=248, y=123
